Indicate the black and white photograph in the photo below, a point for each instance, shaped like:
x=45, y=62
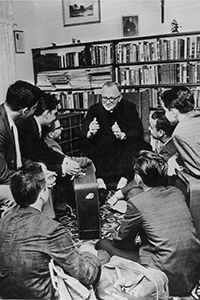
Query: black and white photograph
x=77, y=12
x=99, y=150
x=130, y=25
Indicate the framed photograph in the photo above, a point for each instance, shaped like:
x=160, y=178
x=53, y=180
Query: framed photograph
x=130, y=25
x=19, y=41
x=77, y=12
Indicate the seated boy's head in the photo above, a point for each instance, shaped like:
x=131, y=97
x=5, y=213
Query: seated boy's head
x=27, y=184
x=150, y=169
x=160, y=126
x=54, y=131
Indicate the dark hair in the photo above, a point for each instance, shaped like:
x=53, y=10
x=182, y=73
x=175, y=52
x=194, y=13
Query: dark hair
x=180, y=98
x=111, y=83
x=27, y=183
x=151, y=167
x=162, y=122
x=46, y=102
x=22, y=94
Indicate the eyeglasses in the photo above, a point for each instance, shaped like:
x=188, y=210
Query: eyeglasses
x=59, y=127
x=111, y=99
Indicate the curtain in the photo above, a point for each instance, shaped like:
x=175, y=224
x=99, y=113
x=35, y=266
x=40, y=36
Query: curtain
x=7, y=52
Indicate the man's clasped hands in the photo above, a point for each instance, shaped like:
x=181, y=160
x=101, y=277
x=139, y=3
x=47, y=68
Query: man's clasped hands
x=94, y=127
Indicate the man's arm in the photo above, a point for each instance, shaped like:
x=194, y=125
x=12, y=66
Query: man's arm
x=35, y=149
x=83, y=266
x=5, y=172
x=189, y=154
x=130, y=226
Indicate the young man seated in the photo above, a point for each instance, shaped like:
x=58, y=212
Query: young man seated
x=161, y=130
x=52, y=136
x=34, y=148
x=162, y=218
x=29, y=240
x=21, y=101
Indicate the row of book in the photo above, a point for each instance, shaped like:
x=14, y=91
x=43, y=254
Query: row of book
x=76, y=78
x=77, y=100
x=154, y=94
x=172, y=73
x=101, y=54
x=158, y=49
x=154, y=97
x=82, y=56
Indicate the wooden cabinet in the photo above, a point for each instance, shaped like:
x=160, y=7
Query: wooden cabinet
x=72, y=125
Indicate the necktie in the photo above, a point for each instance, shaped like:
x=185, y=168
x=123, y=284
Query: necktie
x=17, y=149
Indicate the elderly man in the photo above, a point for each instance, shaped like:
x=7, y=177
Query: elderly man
x=112, y=134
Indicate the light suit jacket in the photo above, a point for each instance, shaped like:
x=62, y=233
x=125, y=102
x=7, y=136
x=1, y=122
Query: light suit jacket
x=168, y=238
x=186, y=137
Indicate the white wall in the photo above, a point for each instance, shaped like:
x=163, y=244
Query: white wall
x=25, y=19
x=42, y=23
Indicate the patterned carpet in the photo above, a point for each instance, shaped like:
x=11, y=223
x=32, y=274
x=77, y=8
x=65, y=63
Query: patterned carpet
x=110, y=220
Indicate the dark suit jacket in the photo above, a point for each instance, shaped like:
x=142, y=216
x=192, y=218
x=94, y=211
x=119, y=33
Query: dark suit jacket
x=7, y=148
x=168, y=238
x=35, y=149
x=112, y=156
x=168, y=149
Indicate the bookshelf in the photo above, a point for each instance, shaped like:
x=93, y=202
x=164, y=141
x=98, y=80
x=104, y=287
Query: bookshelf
x=159, y=62
x=152, y=62
x=143, y=65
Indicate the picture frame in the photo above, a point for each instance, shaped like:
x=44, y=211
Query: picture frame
x=78, y=12
x=130, y=25
x=19, y=41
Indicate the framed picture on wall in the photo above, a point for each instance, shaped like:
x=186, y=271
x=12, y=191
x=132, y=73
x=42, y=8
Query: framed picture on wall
x=130, y=25
x=19, y=41
x=77, y=12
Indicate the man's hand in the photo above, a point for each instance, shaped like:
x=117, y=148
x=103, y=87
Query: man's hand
x=93, y=128
x=70, y=167
x=50, y=176
x=117, y=132
x=173, y=165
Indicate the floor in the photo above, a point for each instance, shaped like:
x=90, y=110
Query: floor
x=110, y=221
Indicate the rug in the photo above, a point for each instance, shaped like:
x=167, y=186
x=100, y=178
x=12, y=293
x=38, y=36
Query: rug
x=110, y=221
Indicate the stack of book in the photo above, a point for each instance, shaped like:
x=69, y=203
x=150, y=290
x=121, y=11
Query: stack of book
x=100, y=75
x=51, y=80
